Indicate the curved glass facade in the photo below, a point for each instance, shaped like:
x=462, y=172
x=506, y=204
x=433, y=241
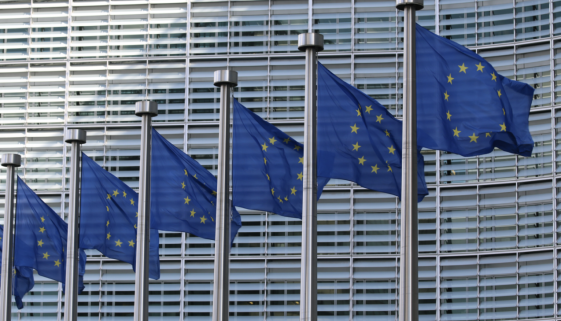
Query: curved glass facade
x=489, y=236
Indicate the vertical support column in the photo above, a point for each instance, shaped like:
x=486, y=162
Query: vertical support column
x=225, y=79
x=311, y=43
x=146, y=110
x=10, y=161
x=409, y=255
x=76, y=137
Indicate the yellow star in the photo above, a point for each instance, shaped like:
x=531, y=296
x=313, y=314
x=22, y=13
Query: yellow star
x=108, y=196
x=301, y=160
x=118, y=243
x=390, y=168
x=354, y=129
x=480, y=67
x=280, y=199
x=132, y=201
x=368, y=109
x=300, y=176
x=487, y=134
x=268, y=178
x=136, y=214
x=40, y=243
x=504, y=111
x=358, y=112
x=187, y=200
x=297, y=147
x=135, y=226
x=493, y=76
x=286, y=140
x=499, y=92
x=193, y=213
x=214, y=193
x=107, y=223
x=448, y=115
x=473, y=138
x=379, y=118
x=124, y=194
x=108, y=236
x=186, y=172
x=375, y=169
x=57, y=263
x=211, y=218
x=203, y=219
x=503, y=127
x=457, y=132
x=131, y=243
x=42, y=219
x=356, y=146
x=463, y=68
x=446, y=96
x=361, y=160
x=115, y=192
x=107, y=207
x=293, y=190
x=286, y=198
x=391, y=150
x=450, y=78
x=42, y=229
x=264, y=146
x=195, y=176
x=387, y=133
x=272, y=140
x=273, y=191
x=264, y=159
x=46, y=255
x=183, y=185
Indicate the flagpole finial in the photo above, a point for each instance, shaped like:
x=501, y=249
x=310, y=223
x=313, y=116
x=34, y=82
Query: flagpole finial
x=75, y=135
x=146, y=107
x=11, y=160
x=417, y=4
x=226, y=77
x=310, y=40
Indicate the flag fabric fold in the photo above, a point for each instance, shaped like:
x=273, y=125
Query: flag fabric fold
x=358, y=139
x=22, y=277
x=464, y=105
x=109, y=217
x=267, y=166
x=183, y=193
x=40, y=239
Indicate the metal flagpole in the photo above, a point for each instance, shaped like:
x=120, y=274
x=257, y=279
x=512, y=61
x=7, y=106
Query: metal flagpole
x=10, y=161
x=311, y=43
x=146, y=110
x=226, y=80
x=409, y=269
x=76, y=137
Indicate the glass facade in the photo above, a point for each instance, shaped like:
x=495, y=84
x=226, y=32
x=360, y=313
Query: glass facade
x=490, y=231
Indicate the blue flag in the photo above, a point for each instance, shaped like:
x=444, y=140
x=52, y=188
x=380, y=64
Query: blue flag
x=108, y=217
x=267, y=166
x=22, y=277
x=463, y=105
x=358, y=139
x=40, y=238
x=183, y=197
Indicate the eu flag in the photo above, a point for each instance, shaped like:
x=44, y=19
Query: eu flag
x=183, y=196
x=40, y=238
x=22, y=277
x=108, y=217
x=358, y=139
x=267, y=166
x=463, y=105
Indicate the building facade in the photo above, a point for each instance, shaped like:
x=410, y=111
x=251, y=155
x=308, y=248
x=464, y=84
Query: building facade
x=489, y=241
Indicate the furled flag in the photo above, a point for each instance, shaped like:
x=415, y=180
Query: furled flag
x=40, y=238
x=463, y=105
x=358, y=139
x=183, y=197
x=267, y=166
x=108, y=217
x=22, y=277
